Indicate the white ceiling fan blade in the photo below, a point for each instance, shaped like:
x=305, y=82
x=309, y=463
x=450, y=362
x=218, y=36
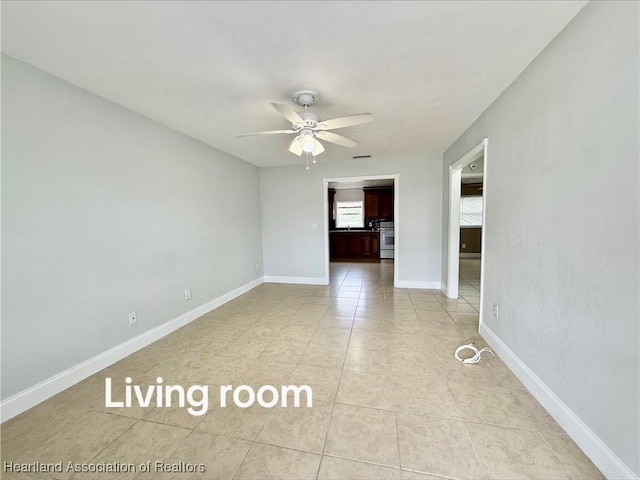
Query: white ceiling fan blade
x=296, y=146
x=319, y=148
x=267, y=132
x=287, y=112
x=347, y=121
x=337, y=139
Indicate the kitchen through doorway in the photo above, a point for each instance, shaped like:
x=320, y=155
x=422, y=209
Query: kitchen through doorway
x=361, y=219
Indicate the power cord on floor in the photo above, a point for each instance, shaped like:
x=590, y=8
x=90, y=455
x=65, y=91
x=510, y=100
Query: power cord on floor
x=477, y=353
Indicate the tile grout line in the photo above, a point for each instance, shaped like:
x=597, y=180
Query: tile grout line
x=326, y=436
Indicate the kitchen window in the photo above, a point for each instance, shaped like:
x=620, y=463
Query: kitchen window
x=350, y=215
x=471, y=211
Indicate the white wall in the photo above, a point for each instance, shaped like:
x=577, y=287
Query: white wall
x=106, y=212
x=562, y=223
x=293, y=198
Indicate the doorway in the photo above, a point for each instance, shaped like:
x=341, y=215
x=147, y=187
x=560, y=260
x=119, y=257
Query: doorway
x=475, y=155
x=356, y=183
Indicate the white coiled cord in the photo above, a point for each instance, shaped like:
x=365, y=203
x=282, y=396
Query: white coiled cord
x=476, y=356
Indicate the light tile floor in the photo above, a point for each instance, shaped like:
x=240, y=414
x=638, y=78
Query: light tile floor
x=389, y=399
x=469, y=281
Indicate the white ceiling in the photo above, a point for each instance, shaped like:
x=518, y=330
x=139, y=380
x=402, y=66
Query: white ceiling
x=425, y=70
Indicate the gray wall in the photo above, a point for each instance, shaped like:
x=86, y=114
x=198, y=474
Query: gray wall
x=292, y=199
x=105, y=212
x=562, y=219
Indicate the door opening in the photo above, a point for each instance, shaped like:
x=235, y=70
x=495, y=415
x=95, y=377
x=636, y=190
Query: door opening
x=478, y=155
x=362, y=220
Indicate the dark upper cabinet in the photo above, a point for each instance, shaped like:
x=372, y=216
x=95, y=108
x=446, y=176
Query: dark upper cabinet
x=370, y=204
x=332, y=208
x=385, y=203
x=378, y=203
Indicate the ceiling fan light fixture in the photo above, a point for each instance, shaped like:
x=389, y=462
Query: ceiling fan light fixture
x=307, y=141
x=309, y=146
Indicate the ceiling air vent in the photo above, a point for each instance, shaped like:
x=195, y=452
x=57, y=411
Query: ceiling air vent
x=355, y=157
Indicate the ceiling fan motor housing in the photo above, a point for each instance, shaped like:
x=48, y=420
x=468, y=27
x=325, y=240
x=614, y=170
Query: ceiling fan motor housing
x=310, y=119
x=305, y=98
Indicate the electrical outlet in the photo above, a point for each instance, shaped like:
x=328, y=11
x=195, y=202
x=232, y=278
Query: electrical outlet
x=187, y=294
x=496, y=310
x=464, y=245
x=132, y=318
x=322, y=266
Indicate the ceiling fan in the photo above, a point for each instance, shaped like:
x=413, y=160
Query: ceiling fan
x=310, y=129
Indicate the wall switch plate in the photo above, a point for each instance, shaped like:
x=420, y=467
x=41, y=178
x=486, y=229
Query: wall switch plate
x=132, y=318
x=464, y=245
x=322, y=266
x=496, y=310
x=187, y=294
x=314, y=226
x=257, y=267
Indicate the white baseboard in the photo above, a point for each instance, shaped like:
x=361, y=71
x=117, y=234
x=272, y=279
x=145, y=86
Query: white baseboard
x=38, y=393
x=607, y=461
x=296, y=280
x=417, y=284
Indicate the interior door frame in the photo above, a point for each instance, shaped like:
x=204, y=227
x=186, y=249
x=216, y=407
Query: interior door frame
x=396, y=217
x=455, y=191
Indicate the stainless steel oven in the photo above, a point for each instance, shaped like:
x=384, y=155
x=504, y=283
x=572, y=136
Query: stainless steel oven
x=387, y=240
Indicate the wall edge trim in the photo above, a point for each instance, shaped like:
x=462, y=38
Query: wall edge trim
x=295, y=280
x=38, y=393
x=607, y=461
x=418, y=284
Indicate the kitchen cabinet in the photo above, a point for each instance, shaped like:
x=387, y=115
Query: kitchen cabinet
x=371, y=245
x=338, y=245
x=370, y=204
x=354, y=244
x=385, y=204
x=332, y=209
x=378, y=203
